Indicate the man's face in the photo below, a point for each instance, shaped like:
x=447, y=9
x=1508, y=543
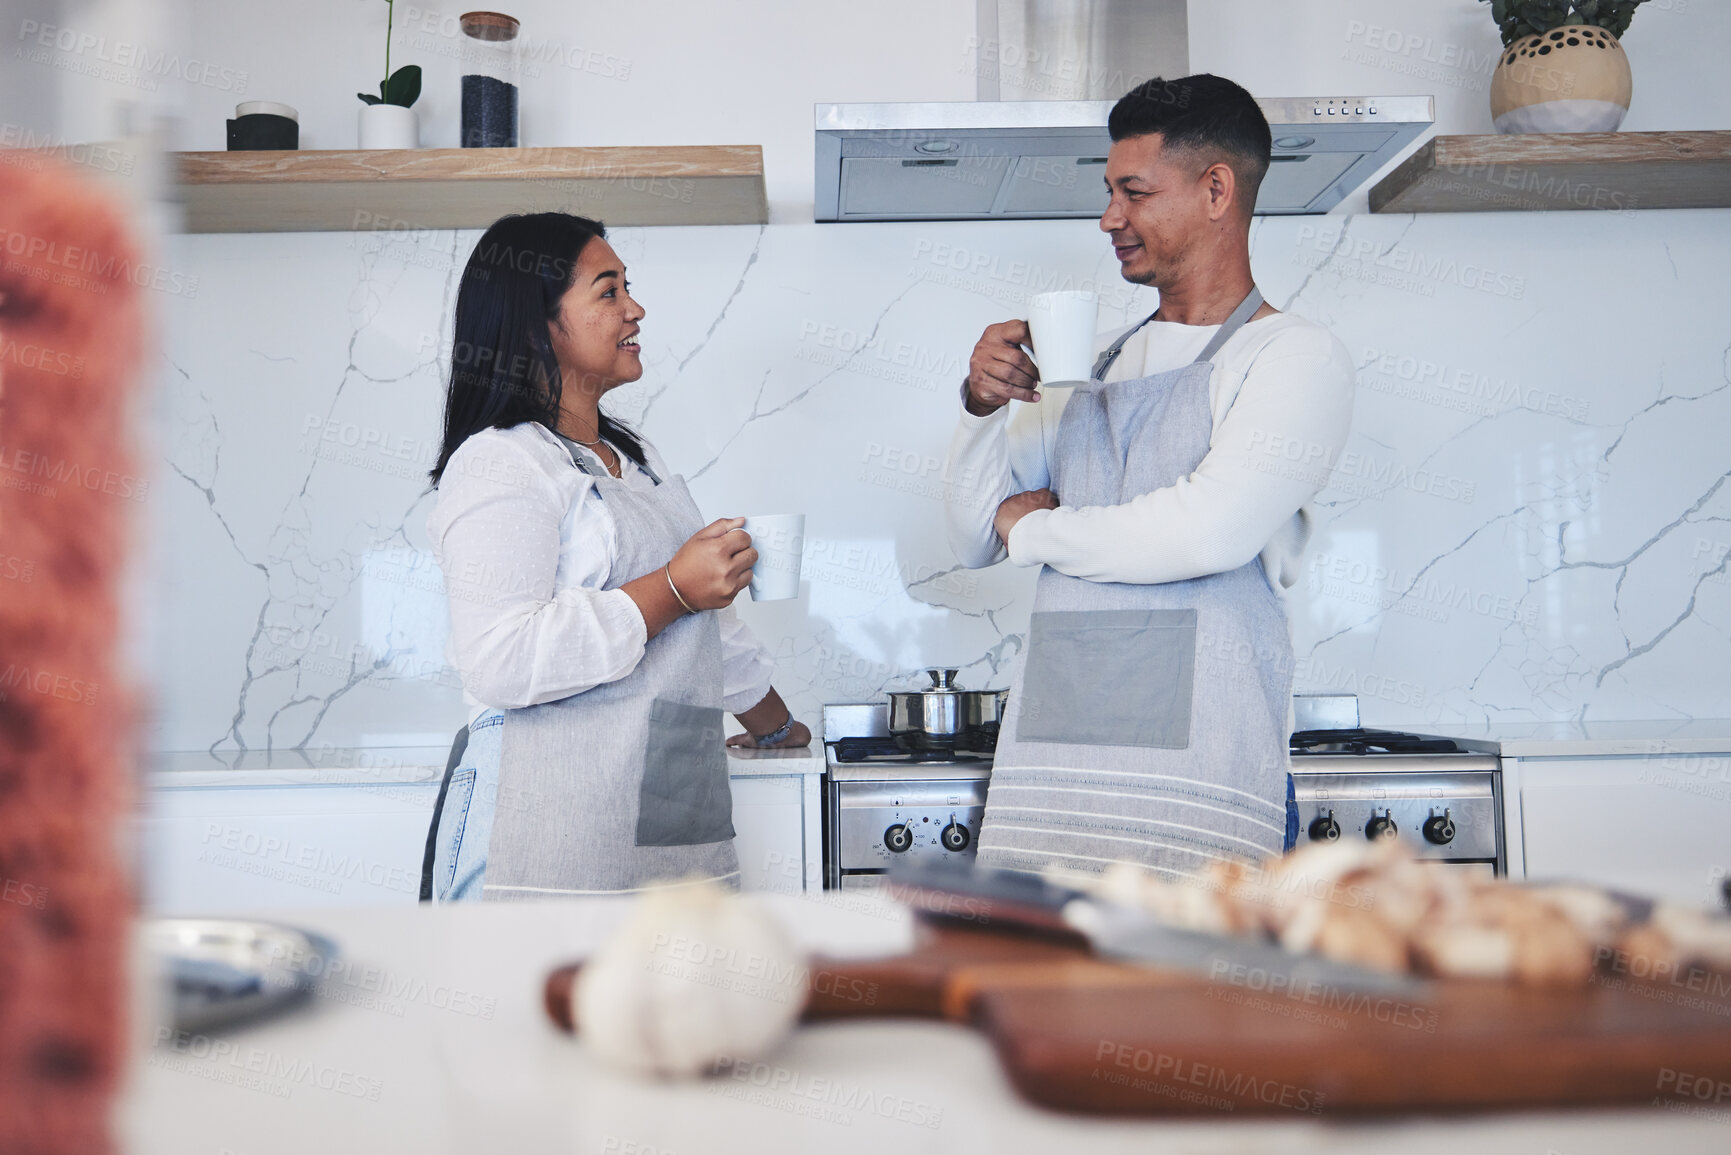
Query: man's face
x=1160, y=207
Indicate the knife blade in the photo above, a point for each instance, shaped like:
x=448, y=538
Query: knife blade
x=1130, y=935
x=1027, y=903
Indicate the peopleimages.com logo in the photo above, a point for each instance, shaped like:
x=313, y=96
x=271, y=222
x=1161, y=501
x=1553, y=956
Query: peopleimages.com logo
x=98, y=56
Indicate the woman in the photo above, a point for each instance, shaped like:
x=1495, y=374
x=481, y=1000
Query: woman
x=590, y=605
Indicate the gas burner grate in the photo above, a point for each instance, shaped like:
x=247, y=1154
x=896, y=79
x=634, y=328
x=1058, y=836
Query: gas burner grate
x=890, y=750
x=1369, y=742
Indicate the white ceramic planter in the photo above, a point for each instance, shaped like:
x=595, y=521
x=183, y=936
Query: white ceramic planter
x=388, y=126
x=1573, y=79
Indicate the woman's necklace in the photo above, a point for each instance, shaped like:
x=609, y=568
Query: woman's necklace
x=594, y=443
x=614, y=467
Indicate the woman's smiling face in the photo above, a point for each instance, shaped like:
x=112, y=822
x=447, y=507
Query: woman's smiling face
x=595, y=331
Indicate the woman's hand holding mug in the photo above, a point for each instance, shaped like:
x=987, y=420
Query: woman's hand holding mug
x=714, y=564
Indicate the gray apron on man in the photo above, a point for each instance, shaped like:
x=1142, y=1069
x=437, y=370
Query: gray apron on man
x=625, y=784
x=1148, y=722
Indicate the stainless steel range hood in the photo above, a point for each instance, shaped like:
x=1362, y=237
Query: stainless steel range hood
x=1007, y=159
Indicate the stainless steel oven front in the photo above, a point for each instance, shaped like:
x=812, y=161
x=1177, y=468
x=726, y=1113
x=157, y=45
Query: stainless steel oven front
x=879, y=815
x=1444, y=808
x=884, y=803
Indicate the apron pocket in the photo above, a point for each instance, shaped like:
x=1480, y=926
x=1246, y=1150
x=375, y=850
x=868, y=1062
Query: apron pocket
x=684, y=800
x=1109, y=678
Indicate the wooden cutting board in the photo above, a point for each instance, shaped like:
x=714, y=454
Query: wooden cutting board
x=1078, y=1034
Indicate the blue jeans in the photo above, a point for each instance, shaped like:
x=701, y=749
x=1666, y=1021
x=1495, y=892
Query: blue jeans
x=466, y=823
x=1291, y=815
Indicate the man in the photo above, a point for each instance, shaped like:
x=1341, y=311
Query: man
x=1149, y=720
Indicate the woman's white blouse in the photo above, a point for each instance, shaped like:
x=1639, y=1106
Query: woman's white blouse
x=526, y=544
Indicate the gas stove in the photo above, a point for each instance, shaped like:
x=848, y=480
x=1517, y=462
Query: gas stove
x=886, y=802
x=1440, y=802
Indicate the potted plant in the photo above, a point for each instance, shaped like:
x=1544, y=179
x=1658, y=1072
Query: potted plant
x=388, y=119
x=1563, y=68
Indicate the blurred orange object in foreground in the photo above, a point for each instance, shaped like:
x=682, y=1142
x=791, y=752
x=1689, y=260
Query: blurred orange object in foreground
x=71, y=334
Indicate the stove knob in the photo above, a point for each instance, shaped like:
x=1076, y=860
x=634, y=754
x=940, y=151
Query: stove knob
x=955, y=836
x=1325, y=829
x=1439, y=830
x=1381, y=826
x=898, y=837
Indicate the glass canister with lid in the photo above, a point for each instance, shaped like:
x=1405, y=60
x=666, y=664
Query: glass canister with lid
x=492, y=63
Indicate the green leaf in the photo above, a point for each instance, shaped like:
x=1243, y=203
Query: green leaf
x=1518, y=18
x=368, y=98
x=404, y=86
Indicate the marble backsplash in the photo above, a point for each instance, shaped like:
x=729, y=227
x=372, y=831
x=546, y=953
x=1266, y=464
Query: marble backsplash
x=1532, y=522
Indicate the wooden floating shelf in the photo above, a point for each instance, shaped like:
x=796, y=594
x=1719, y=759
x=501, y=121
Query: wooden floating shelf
x=1615, y=171
x=468, y=188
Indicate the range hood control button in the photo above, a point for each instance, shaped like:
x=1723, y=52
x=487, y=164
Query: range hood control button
x=898, y=838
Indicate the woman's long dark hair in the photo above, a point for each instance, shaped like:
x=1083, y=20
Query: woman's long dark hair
x=503, y=368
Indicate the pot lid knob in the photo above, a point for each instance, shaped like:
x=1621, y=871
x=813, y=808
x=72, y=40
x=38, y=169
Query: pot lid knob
x=943, y=679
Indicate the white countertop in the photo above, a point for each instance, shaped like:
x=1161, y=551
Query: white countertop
x=384, y=766
x=1585, y=739
x=742, y=762
x=462, y=1060
x=392, y=766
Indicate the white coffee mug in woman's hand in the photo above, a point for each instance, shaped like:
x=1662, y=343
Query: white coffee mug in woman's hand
x=1063, y=326
x=780, y=543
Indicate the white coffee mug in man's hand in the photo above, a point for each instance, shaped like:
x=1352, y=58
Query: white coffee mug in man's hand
x=1063, y=326
x=780, y=543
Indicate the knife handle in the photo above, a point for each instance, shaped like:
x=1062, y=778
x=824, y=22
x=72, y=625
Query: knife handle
x=907, y=986
x=913, y=985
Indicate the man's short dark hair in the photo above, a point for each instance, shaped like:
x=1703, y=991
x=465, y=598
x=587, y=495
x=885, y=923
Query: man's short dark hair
x=1204, y=114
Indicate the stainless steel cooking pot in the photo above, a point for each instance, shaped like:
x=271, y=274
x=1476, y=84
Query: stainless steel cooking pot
x=944, y=714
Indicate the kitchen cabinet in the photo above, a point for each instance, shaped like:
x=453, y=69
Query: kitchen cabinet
x=771, y=837
x=1656, y=824
x=239, y=840
x=218, y=846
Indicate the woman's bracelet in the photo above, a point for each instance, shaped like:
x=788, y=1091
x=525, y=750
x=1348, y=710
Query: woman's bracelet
x=668, y=570
x=779, y=734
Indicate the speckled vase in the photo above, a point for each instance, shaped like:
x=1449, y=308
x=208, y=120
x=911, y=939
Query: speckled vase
x=1573, y=79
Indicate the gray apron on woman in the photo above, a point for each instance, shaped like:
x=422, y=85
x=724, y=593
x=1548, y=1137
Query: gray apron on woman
x=1148, y=722
x=625, y=784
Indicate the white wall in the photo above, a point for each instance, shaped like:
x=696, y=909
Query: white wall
x=1534, y=524
x=659, y=72
x=697, y=72
x=1440, y=48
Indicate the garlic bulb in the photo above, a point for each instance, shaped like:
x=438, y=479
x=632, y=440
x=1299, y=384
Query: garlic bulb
x=697, y=978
